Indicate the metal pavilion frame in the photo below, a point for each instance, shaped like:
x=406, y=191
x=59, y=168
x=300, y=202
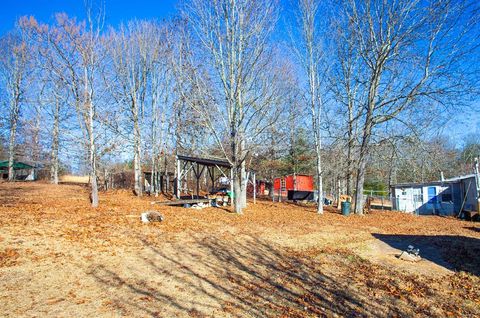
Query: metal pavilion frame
x=198, y=166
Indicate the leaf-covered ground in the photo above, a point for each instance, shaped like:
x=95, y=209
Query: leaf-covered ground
x=61, y=258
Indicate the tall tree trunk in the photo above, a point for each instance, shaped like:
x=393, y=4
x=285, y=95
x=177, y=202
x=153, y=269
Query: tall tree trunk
x=137, y=153
x=35, y=155
x=292, y=142
x=14, y=112
x=362, y=164
x=237, y=171
x=319, y=175
x=243, y=175
x=54, y=151
x=161, y=151
x=11, y=148
x=237, y=190
x=93, y=164
x=92, y=149
x=367, y=132
x=153, y=176
x=350, y=145
x=309, y=10
x=359, y=199
x=315, y=113
x=243, y=184
x=391, y=173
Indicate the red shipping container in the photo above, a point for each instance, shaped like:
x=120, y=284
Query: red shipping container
x=294, y=187
x=299, y=182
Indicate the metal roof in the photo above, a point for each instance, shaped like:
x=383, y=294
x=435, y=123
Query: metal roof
x=468, y=176
x=17, y=165
x=437, y=182
x=206, y=161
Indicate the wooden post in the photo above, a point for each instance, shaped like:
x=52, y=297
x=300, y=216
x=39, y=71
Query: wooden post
x=197, y=177
x=254, y=189
x=339, y=195
x=178, y=179
x=192, y=170
x=212, y=175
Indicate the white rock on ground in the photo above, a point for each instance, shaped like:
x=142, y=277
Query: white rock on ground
x=151, y=216
x=409, y=257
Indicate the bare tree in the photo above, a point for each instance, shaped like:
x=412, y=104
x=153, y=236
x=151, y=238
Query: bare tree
x=310, y=54
x=234, y=93
x=77, y=55
x=160, y=89
x=412, y=54
x=51, y=98
x=14, y=69
x=56, y=100
x=48, y=90
x=155, y=88
x=132, y=62
x=344, y=81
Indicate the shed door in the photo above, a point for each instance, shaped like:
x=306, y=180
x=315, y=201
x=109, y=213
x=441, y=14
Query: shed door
x=432, y=195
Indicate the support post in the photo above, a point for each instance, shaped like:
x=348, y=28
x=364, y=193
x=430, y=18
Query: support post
x=254, y=189
x=197, y=177
x=178, y=178
x=212, y=176
x=339, y=194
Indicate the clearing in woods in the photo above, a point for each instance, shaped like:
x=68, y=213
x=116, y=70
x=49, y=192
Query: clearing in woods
x=61, y=258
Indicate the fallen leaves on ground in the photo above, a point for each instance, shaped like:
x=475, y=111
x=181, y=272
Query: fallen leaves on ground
x=277, y=259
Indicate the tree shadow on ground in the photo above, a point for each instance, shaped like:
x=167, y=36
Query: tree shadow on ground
x=454, y=252
x=472, y=228
x=242, y=277
x=310, y=207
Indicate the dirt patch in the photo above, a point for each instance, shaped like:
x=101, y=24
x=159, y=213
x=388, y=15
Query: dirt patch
x=432, y=263
x=8, y=257
x=276, y=260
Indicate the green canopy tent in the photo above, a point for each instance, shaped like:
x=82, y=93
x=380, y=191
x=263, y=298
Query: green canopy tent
x=22, y=170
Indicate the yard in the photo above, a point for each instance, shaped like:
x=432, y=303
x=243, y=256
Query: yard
x=61, y=258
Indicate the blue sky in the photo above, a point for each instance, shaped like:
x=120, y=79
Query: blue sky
x=116, y=10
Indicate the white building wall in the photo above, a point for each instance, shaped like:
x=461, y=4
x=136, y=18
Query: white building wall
x=417, y=200
x=31, y=175
x=449, y=197
x=408, y=199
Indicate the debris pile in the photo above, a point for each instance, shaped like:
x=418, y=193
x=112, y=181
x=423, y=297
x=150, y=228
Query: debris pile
x=412, y=254
x=200, y=206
